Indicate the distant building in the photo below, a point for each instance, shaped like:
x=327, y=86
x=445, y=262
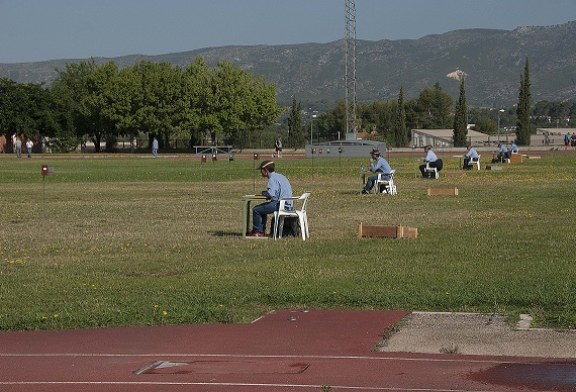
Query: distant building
x=552, y=137
x=445, y=138
x=344, y=148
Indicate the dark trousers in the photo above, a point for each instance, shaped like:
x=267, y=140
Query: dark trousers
x=423, y=168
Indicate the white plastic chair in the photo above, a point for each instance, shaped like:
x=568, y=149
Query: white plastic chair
x=294, y=213
x=383, y=185
x=429, y=169
x=475, y=162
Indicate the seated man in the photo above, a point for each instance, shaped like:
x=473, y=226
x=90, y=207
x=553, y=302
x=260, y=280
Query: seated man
x=278, y=187
x=432, y=160
x=513, y=148
x=501, y=154
x=470, y=156
x=377, y=165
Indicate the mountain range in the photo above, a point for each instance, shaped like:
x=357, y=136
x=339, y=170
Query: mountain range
x=493, y=61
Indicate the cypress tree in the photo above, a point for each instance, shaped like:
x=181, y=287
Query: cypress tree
x=461, y=118
x=523, y=110
x=295, y=131
x=400, y=135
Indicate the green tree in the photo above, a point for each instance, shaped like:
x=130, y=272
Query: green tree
x=461, y=118
x=433, y=107
x=485, y=125
x=523, y=110
x=157, y=100
x=244, y=103
x=377, y=116
x=71, y=87
x=295, y=130
x=101, y=105
x=399, y=132
x=199, y=101
x=16, y=103
x=31, y=110
x=226, y=103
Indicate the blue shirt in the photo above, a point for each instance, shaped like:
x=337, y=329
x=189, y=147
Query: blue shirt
x=381, y=165
x=430, y=156
x=279, y=188
x=472, y=153
x=514, y=147
x=503, y=149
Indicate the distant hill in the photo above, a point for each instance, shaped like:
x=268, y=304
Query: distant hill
x=493, y=60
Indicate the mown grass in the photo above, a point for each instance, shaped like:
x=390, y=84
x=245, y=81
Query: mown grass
x=136, y=241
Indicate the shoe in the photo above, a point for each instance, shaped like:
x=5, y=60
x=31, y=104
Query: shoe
x=365, y=192
x=255, y=233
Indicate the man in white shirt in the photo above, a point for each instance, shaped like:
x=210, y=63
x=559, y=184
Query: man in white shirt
x=432, y=160
x=29, y=145
x=470, y=156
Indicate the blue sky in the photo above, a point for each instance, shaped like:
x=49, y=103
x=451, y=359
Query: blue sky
x=38, y=30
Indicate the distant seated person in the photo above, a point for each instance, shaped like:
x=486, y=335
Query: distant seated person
x=377, y=165
x=431, y=160
x=470, y=156
x=501, y=154
x=513, y=148
x=278, y=187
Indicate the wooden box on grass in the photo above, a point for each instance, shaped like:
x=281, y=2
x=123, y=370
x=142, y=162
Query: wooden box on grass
x=387, y=231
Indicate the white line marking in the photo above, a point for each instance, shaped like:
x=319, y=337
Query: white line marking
x=187, y=355
x=338, y=387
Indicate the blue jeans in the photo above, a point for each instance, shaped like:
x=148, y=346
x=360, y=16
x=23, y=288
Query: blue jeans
x=372, y=180
x=260, y=213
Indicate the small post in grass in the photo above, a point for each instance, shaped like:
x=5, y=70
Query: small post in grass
x=254, y=173
x=202, y=162
x=45, y=171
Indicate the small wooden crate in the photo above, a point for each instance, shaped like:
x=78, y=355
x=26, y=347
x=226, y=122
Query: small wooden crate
x=516, y=158
x=442, y=192
x=387, y=231
x=493, y=168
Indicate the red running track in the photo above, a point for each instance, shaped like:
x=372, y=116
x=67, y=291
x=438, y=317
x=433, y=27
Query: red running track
x=282, y=351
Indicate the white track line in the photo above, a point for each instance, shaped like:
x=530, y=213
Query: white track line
x=224, y=384
x=204, y=355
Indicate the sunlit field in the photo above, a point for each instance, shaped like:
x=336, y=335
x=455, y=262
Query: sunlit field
x=113, y=241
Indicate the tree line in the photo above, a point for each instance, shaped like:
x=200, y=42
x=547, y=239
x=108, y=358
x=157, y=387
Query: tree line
x=198, y=104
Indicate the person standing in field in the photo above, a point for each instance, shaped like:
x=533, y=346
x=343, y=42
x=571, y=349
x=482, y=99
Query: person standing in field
x=29, y=145
x=278, y=148
x=155, y=147
x=566, y=140
x=18, y=147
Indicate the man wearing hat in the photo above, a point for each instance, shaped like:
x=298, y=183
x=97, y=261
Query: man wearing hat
x=278, y=188
x=377, y=165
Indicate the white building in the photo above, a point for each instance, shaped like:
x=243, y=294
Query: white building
x=445, y=138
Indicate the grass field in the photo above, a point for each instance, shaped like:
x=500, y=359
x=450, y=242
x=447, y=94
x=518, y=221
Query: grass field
x=111, y=241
